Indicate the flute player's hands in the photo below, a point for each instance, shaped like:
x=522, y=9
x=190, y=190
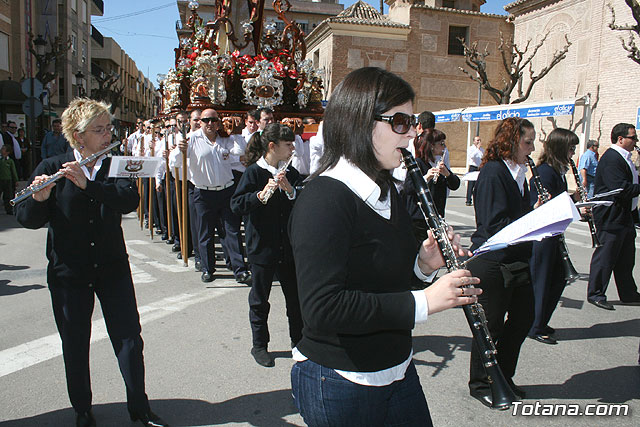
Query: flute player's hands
x=42, y=195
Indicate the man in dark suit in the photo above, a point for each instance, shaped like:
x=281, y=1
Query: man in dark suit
x=615, y=223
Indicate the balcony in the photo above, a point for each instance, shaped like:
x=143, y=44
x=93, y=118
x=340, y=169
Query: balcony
x=97, y=8
x=97, y=36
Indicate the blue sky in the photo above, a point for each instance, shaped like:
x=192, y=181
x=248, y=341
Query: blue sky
x=150, y=37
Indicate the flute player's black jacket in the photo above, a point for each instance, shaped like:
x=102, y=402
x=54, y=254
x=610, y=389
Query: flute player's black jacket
x=85, y=239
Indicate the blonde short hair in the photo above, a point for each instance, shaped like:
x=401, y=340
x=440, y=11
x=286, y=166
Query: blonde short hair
x=79, y=115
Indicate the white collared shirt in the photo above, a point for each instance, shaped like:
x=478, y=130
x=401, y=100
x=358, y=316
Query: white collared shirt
x=301, y=160
x=626, y=155
x=208, y=161
x=518, y=172
x=91, y=176
x=474, y=155
x=367, y=190
x=241, y=144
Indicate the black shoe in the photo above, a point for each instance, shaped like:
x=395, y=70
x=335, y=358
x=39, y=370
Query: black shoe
x=602, y=304
x=244, y=278
x=550, y=330
x=198, y=266
x=469, y=204
x=262, y=357
x=85, y=419
x=483, y=397
x=165, y=237
x=545, y=339
x=175, y=247
x=206, y=276
x=150, y=420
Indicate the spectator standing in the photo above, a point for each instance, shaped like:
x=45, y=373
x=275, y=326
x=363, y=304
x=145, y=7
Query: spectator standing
x=8, y=178
x=54, y=142
x=587, y=166
x=474, y=158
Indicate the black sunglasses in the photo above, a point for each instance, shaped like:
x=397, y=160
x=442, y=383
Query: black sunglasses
x=632, y=137
x=400, y=122
x=209, y=119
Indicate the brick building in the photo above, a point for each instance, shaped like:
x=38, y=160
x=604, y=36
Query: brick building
x=596, y=63
x=418, y=40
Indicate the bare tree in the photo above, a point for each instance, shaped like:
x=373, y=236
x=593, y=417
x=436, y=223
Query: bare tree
x=630, y=44
x=108, y=89
x=47, y=63
x=514, y=61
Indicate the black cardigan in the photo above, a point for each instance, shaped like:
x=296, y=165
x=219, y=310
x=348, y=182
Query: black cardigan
x=85, y=239
x=498, y=203
x=551, y=180
x=613, y=172
x=266, y=225
x=354, y=271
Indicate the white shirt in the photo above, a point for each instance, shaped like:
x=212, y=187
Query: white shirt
x=316, y=149
x=518, y=172
x=241, y=142
x=301, y=158
x=17, y=151
x=366, y=189
x=132, y=142
x=474, y=155
x=208, y=161
x=626, y=155
x=91, y=175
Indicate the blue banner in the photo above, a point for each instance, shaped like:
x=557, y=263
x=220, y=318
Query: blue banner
x=638, y=119
x=523, y=112
x=447, y=117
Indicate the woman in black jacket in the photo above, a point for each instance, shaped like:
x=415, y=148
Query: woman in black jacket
x=87, y=257
x=265, y=197
x=547, y=274
x=355, y=257
x=502, y=196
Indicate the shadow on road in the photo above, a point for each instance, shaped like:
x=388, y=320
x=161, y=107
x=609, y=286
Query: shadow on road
x=615, y=385
x=7, y=289
x=626, y=328
x=444, y=347
x=259, y=409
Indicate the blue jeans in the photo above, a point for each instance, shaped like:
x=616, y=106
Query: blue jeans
x=324, y=398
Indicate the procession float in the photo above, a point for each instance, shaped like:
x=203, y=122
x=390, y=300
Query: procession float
x=235, y=63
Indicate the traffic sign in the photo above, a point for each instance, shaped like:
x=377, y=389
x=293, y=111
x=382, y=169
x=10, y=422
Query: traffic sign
x=37, y=107
x=37, y=87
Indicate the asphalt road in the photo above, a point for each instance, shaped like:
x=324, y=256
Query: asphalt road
x=197, y=340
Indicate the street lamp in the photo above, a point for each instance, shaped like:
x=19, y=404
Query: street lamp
x=80, y=83
x=40, y=44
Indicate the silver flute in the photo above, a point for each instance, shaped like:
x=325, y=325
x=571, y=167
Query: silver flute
x=34, y=188
x=271, y=190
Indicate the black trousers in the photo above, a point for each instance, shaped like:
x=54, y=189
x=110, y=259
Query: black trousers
x=7, y=191
x=471, y=185
x=262, y=277
x=161, y=206
x=194, y=221
x=72, y=309
x=617, y=255
x=547, y=278
x=212, y=207
x=508, y=333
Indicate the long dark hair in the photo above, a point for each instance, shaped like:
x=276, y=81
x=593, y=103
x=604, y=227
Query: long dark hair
x=555, y=150
x=430, y=141
x=259, y=141
x=349, y=120
x=506, y=138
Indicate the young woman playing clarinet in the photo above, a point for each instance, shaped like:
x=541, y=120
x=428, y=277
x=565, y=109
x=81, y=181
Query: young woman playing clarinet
x=501, y=197
x=88, y=258
x=355, y=255
x=547, y=272
x=265, y=196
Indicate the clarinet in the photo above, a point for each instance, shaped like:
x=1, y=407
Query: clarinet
x=595, y=242
x=570, y=273
x=502, y=395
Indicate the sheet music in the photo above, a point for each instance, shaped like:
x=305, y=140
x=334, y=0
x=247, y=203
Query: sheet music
x=471, y=176
x=138, y=167
x=550, y=219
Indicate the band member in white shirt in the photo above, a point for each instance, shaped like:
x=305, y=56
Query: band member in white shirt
x=474, y=158
x=210, y=170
